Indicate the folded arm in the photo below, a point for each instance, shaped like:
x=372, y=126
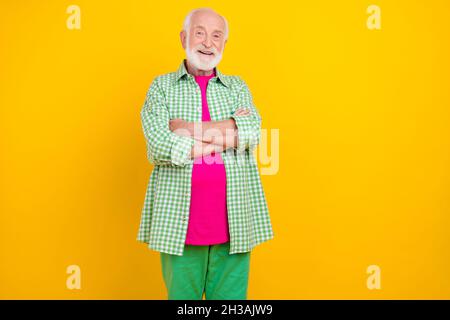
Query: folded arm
x=241, y=131
x=211, y=136
x=222, y=133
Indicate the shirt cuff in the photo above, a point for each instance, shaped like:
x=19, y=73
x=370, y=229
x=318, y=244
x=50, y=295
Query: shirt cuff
x=243, y=124
x=181, y=150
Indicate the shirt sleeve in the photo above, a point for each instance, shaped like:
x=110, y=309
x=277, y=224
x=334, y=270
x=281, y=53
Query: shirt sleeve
x=249, y=126
x=163, y=146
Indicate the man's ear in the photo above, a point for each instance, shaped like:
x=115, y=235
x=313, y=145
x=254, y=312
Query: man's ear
x=183, y=38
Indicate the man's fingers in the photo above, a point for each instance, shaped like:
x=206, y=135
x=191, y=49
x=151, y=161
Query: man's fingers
x=242, y=111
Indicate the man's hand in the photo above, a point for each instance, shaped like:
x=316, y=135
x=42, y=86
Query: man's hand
x=182, y=127
x=242, y=112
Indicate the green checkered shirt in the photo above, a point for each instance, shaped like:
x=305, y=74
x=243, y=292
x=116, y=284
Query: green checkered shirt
x=165, y=213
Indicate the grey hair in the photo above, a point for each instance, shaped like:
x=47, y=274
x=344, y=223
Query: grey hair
x=187, y=20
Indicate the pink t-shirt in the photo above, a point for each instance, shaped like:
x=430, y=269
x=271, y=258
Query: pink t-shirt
x=208, y=219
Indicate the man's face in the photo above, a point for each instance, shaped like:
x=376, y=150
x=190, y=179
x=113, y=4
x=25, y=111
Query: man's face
x=205, y=40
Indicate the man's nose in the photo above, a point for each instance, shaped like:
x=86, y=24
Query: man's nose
x=207, y=42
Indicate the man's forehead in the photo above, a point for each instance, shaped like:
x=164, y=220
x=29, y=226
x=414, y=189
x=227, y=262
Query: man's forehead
x=215, y=28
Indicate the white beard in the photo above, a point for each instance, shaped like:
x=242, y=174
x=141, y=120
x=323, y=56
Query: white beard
x=198, y=60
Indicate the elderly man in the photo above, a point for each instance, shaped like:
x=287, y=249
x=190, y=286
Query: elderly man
x=205, y=208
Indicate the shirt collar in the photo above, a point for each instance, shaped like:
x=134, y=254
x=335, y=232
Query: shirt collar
x=182, y=71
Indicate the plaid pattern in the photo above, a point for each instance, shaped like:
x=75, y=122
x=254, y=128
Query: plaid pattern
x=165, y=213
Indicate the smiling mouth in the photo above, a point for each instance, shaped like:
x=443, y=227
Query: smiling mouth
x=205, y=53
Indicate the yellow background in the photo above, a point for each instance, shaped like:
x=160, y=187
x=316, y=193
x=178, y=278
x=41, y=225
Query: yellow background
x=363, y=117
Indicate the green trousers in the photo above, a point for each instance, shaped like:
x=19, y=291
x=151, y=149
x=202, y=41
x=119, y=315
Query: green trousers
x=208, y=270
